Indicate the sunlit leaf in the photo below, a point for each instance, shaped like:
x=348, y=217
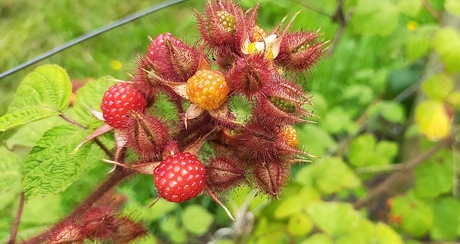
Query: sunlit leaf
x=52, y=166
x=453, y=7
x=438, y=86
x=318, y=238
x=315, y=139
x=446, y=225
x=385, y=234
x=43, y=93
x=416, y=215
x=432, y=119
x=10, y=169
x=299, y=224
x=434, y=177
x=409, y=7
x=328, y=175
x=447, y=44
x=197, y=219
x=375, y=17
x=365, y=151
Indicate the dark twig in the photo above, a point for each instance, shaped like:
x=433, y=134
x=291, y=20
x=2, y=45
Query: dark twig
x=17, y=220
x=407, y=166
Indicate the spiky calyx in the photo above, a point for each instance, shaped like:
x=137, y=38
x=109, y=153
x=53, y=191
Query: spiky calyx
x=271, y=176
x=173, y=60
x=222, y=24
x=208, y=89
x=299, y=51
x=224, y=173
x=148, y=135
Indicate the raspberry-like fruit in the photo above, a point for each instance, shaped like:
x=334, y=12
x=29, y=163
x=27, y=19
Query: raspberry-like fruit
x=118, y=102
x=289, y=136
x=179, y=177
x=227, y=20
x=207, y=88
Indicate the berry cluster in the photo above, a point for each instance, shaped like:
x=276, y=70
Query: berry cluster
x=258, y=65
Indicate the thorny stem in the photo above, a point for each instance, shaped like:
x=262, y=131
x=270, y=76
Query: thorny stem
x=407, y=166
x=118, y=175
x=14, y=229
x=72, y=121
x=103, y=147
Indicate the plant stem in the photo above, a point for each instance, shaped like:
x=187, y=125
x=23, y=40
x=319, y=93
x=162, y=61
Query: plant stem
x=118, y=175
x=14, y=229
x=406, y=167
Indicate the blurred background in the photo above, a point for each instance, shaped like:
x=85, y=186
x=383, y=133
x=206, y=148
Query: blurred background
x=385, y=93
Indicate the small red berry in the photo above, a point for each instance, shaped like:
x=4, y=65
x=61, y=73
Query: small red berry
x=158, y=45
x=179, y=177
x=118, y=102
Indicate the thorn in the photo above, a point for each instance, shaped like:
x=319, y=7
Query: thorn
x=214, y=197
x=153, y=202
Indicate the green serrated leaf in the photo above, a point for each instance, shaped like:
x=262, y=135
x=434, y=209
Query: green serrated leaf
x=334, y=218
x=43, y=93
x=52, y=166
x=438, y=86
x=30, y=133
x=24, y=116
x=446, y=225
x=89, y=97
x=433, y=178
x=10, y=169
x=452, y=7
x=416, y=216
x=375, y=17
x=328, y=175
x=197, y=219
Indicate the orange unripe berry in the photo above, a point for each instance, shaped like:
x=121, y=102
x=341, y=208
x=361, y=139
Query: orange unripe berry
x=208, y=89
x=289, y=135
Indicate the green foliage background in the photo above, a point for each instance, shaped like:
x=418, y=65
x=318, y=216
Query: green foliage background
x=369, y=123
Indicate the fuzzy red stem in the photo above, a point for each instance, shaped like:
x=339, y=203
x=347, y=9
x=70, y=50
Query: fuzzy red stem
x=118, y=175
x=14, y=230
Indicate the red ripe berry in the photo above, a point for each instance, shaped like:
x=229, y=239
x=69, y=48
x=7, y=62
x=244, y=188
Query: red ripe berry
x=118, y=102
x=180, y=177
x=157, y=44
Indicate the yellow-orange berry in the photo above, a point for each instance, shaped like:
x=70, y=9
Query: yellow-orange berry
x=289, y=135
x=258, y=34
x=207, y=88
x=227, y=20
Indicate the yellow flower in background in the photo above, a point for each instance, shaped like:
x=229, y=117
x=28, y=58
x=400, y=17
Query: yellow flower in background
x=433, y=119
x=412, y=25
x=116, y=65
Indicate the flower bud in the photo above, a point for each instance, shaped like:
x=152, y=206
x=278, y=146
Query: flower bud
x=67, y=233
x=173, y=60
x=148, y=135
x=299, y=51
x=271, y=176
x=222, y=24
x=223, y=173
